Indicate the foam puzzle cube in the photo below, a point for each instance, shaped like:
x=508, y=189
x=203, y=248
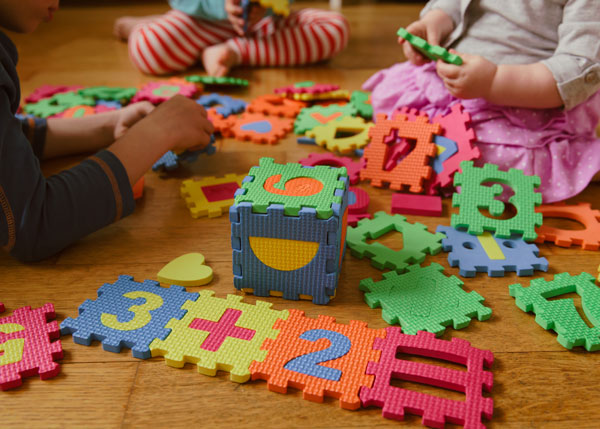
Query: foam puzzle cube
x=288, y=230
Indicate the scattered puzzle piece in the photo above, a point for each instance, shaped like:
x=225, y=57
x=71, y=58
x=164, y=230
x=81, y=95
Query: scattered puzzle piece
x=436, y=411
x=220, y=334
x=319, y=357
x=352, y=167
x=326, y=135
x=339, y=94
x=127, y=314
x=588, y=238
x=47, y=91
x=423, y=205
x=186, y=270
x=78, y=112
x=223, y=104
x=160, y=91
x=417, y=241
x=212, y=80
x=358, y=201
x=138, y=189
x=271, y=104
x=171, y=161
x=110, y=93
x=474, y=195
x=433, y=52
x=561, y=315
x=210, y=196
x=220, y=123
x=26, y=347
x=314, y=116
x=424, y=299
x=361, y=101
x=1, y=308
x=279, y=7
x=486, y=253
x=306, y=87
x=58, y=103
x=261, y=129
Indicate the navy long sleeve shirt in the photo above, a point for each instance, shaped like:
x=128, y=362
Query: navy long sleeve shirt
x=39, y=216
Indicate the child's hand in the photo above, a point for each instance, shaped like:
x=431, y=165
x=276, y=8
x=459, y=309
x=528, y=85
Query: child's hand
x=129, y=115
x=434, y=27
x=235, y=15
x=472, y=79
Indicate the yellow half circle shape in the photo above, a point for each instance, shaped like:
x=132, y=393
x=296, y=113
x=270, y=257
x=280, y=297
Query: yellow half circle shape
x=283, y=255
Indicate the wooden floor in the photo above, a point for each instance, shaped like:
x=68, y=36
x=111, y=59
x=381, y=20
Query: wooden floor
x=537, y=383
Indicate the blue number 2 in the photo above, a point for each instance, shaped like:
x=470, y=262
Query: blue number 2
x=309, y=363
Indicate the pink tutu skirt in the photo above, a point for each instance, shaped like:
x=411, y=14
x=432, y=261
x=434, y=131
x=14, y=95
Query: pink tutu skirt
x=559, y=146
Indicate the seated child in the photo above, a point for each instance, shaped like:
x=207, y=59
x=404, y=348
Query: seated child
x=214, y=31
x=40, y=216
x=529, y=80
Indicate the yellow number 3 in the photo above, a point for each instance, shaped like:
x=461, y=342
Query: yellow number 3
x=142, y=312
x=13, y=349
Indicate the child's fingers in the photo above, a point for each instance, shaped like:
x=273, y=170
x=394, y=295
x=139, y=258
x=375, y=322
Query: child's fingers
x=446, y=70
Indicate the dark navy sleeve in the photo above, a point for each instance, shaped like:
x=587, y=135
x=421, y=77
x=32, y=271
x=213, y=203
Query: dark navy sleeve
x=35, y=131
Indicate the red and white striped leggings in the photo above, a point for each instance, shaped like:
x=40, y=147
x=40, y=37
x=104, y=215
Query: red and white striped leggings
x=175, y=41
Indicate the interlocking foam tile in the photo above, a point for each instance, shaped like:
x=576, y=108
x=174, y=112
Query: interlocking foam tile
x=424, y=205
x=26, y=347
x=1, y=308
x=47, y=91
x=306, y=87
x=127, y=314
x=160, y=91
x=417, y=241
x=186, y=270
x=212, y=80
x=314, y=116
x=561, y=315
x=339, y=94
x=260, y=128
x=319, y=357
x=111, y=93
x=433, y=52
x=220, y=334
x=171, y=161
x=58, y=103
x=474, y=195
x=411, y=171
x=220, y=123
x=223, y=104
x=485, y=253
x=588, y=238
x=77, y=112
x=436, y=411
x=272, y=104
x=294, y=186
x=138, y=189
x=279, y=7
x=424, y=299
x=210, y=196
x=361, y=100
x=325, y=135
x=358, y=202
x=352, y=167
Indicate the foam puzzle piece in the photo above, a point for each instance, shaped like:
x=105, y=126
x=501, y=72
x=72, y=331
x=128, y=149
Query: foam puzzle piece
x=220, y=123
x=433, y=52
x=319, y=357
x=306, y=87
x=47, y=91
x=588, y=238
x=436, y=411
x=210, y=196
x=223, y=104
x=127, y=314
x=186, y=270
x=1, y=307
x=58, y=103
x=220, y=334
x=358, y=201
x=491, y=255
x=352, y=167
x=311, y=117
x=361, y=101
x=417, y=241
x=474, y=195
x=272, y=104
x=279, y=7
x=110, y=93
x=294, y=186
x=261, y=129
x=306, y=140
x=171, y=161
x=160, y=91
x=77, y=112
x=339, y=94
x=561, y=315
x=26, y=346
x=325, y=135
x=424, y=299
x=221, y=81
x=411, y=171
x=138, y=189
x=422, y=205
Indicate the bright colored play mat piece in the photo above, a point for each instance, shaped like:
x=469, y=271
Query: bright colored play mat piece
x=186, y=270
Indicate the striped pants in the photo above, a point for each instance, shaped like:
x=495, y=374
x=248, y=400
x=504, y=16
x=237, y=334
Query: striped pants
x=175, y=41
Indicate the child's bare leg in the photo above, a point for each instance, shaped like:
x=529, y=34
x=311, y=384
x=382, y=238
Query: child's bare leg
x=219, y=59
x=124, y=25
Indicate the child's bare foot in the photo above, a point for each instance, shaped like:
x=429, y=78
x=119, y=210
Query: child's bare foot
x=124, y=25
x=219, y=59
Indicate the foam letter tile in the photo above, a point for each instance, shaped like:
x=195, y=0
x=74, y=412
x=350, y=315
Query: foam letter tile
x=160, y=91
x=474, y=195
x=109, y=93
x=424, y=299
x=319, y=357
x=127, y=314
x=423, y=205
x=588, y=238
x=436, y=411
x=352, y=167
x=432, y=52
x=275, y=105
x=417, y=241
x=58, y=103
x=26, y=347
x=220, y=334
x=358, y=202
x=486, y=253
x=221, y=81
x=411, y=171
x=306, y=87
x=313, y=116
x=561, y=315
x=325, y=135
x=261, y=129
x=210, y=196
x=223, y=104
x=186, y=270
x=361, y=100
